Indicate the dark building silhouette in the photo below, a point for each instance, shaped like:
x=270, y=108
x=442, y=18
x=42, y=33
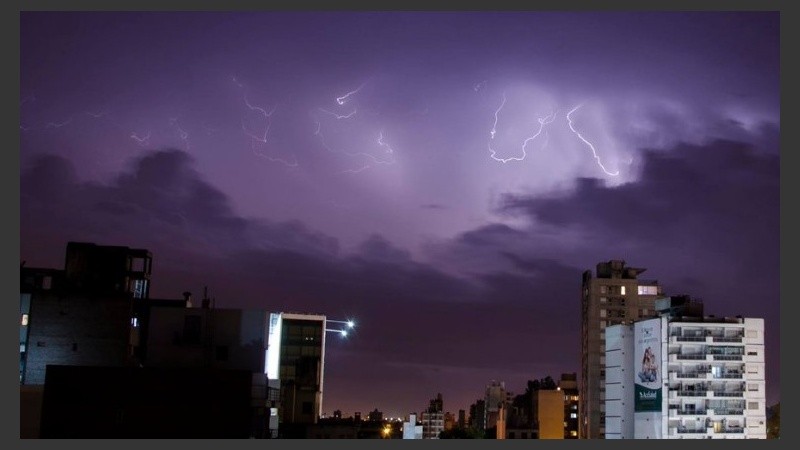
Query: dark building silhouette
x=133, y=402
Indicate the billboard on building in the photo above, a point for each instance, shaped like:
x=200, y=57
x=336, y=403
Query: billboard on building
x=648, y=384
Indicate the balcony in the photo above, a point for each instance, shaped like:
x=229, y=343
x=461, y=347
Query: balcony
x=691, y=412
x=692, y=393
x=691, y=356
x=684, y=430
x=690, y=338
x=727, y=357
x=726, y=412
x=729, y=375
x=728, y=338
x=731, y=430
x=728, y=393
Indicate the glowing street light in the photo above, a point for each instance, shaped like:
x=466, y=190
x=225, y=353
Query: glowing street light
x=348, y=323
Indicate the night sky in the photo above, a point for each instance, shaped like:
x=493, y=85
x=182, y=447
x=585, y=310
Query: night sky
x=441, y=178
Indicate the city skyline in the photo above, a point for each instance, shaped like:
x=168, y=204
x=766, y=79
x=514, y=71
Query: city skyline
x=441, y=178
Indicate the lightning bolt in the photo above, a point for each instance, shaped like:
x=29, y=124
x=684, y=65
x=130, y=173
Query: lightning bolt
x=24, y=128
x=359, y=170
x=139, y=139
x=479, y=86
x=337, y=115
x=594, y=152
x=542, y=122
x=383, y=144
x=181, y=132
x=343, y=99
x=494, y=127
x=58, y=124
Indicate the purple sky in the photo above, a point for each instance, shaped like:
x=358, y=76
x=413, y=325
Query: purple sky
x=443, y=178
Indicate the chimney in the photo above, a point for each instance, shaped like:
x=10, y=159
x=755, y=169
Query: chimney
x=187, y=298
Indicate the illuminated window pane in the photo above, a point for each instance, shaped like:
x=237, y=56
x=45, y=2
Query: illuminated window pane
x=24, y=320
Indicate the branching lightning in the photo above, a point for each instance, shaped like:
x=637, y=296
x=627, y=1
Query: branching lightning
x=542, y=122
x=183, y=134
x=261, y=138
x=383, y=144
x=594, y=152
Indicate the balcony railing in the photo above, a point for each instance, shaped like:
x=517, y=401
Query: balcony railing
x=729, y=375
x=692, y=393
x=727, y=357
x=690, y=338
x=696, y=356
x=727, y=338
x=691, y=374
x=691, y=430
x=731, y=430
x=728, y=412
x=728, y=393
x=691, y=412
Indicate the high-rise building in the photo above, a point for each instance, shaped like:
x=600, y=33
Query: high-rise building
x=296, y=357
x=686, y=377
x=432, y=419
x=495, y=401
x=613, y=295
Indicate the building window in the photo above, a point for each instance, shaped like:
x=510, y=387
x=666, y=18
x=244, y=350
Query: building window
x=752, y=353
x=24, y=321
x=603, y=289
x=622, y=290
x=602, y=324
x=752, y=405
x=573, y=416
x=602, y=313
x=752, y=387
x=603, y=299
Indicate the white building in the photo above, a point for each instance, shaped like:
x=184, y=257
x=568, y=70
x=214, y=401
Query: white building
x=410, y=428
x=686, y=377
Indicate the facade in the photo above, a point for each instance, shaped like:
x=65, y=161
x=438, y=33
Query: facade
x=568, y=384
x=203, y=337
x=495, y=400
x=296, y=357
x=82, y=315
x=548, y=413
x=614, y=294
x=410, y=428
x=432, y=419
x=686, y=377
x=477, y=415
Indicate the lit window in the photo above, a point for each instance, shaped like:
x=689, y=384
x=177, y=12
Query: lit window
x=24, y=320
x=602, y=324
x=134, y=322
x=622, y=290
x=573, y=433
x=602, y=313
x=603, y=299
x=573, y=416
x=603, y=289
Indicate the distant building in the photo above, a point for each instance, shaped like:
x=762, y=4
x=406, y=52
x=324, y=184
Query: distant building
x=613, y=295
x=410, y=428
x=432, y=419
x=462, y=418
x=686, y=376
x=495, y=399
x=375, y=416
x=477, y=415
x=449, y=421
x=548, y=413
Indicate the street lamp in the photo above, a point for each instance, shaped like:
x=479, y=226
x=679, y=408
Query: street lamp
x=343, y=332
